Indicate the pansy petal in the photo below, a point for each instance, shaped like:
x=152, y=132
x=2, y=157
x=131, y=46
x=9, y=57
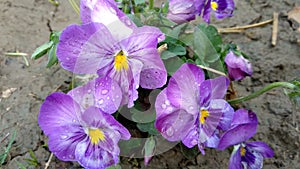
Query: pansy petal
x=241, y=130
x=107, y=12
x=235, y=161
x=84, y=95
x=191, y=139
x=181, y=11
x=225, y=9
x=227, y=113
x=107, y=94
x=174, y=126
x=63, y=142
x=217, y=89
x=252, y=160
x=58, y=110
x=206, y=12
x=183, y=87
x=154, y=74
x=82, y=48
x=262, y=148
x=163, y=105
x=96, y=118
x=93, y=157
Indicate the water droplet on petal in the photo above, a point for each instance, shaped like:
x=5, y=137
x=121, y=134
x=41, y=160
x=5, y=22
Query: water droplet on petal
x=89, y=91
x=104, y=91
x=194, y=141
x=107, y=97
x=191, y=108
x=167, y=102
x=63, y=137
x=100, y=101
x=170, y=131
x=117, y=96
x=163, y=106
x=169, y=109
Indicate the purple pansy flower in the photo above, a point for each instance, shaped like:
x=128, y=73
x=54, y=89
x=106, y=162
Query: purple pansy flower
x=192, y=109
x=181, y=11
x=107, y=13
x=238, y=67
x=129, y=57
x=221, y=8
x=89, y=136
x=244, y=155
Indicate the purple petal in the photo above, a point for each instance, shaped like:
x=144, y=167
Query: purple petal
x=84, y=95
x=82, y=49
x=174, y=126
x=213, y=140
x=252, y=159
x=235, y=161
x=244, y=126
x=238, y=67
x=191, y=139
x=96, y=118
x=163, y=105
x=93, y=157
x=58, y=110
x=59, y=118
x=262, y=148
x=183, y=88
x=225, y=9
x=63, y=142
x=181, y=11
x=107, y=95
x=206, y=12
x=107, y=13
x=213, y=89
x=216, y=119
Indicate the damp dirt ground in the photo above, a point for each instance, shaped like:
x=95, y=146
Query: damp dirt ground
x=26, y=24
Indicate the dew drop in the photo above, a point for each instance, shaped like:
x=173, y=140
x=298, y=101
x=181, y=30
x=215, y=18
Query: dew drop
x=107, y=97
x=194, y=141
x=163, y=106
x=89, y=91
x=170, y=131
x=167, y=102
x=117, y=96
x=104, y=91
x=100, y=101
x=169, y=109
x=63, y=137
x=191, y=108
x=68, y=58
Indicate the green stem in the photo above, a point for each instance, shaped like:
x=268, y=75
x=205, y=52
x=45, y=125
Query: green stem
x=261, y=91
x=151, y=4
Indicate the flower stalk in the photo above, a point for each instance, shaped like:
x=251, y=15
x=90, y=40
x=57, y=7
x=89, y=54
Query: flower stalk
x=261, y=91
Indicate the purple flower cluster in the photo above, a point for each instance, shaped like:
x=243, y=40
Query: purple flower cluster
x=193, y=110
x=183, y=11
x=79, y=124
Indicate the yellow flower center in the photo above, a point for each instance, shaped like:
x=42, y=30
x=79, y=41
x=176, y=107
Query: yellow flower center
x=96, y=135
x=203, y=115
x=121, y=61
x=243, y=151
x=214, y=5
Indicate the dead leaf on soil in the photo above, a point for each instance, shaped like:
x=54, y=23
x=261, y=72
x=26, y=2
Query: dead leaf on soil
x=8, y=92
x=294, y=16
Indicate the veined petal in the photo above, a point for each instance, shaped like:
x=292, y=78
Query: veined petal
x=96, y=118
x=213, y=89
x=262, y=148
x=192, y=138
x=58, y=110
x=163, y=105
x=107, y=94
x=107, y=12
x=174, y=126
x=63, y=142
x=243, y=127
x=83, y=49
x=235, y=161
x=206, y=12
x=93, y=157
x=183, y=88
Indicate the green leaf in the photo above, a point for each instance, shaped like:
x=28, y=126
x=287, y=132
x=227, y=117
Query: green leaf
x=137, y=2
x=52, y=58
x=7, y=149
x=114, y=167
x=172, y=64
x=173, y=50
x=127, y=146
x=165, y=9
x=149, y=147
x=135, y=18
x=212, y=34
x=189, y=153
x=42, y=50
x=148, y=127
x=203, y=46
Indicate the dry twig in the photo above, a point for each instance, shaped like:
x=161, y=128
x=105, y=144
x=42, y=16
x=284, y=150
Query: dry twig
x=275, y=28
